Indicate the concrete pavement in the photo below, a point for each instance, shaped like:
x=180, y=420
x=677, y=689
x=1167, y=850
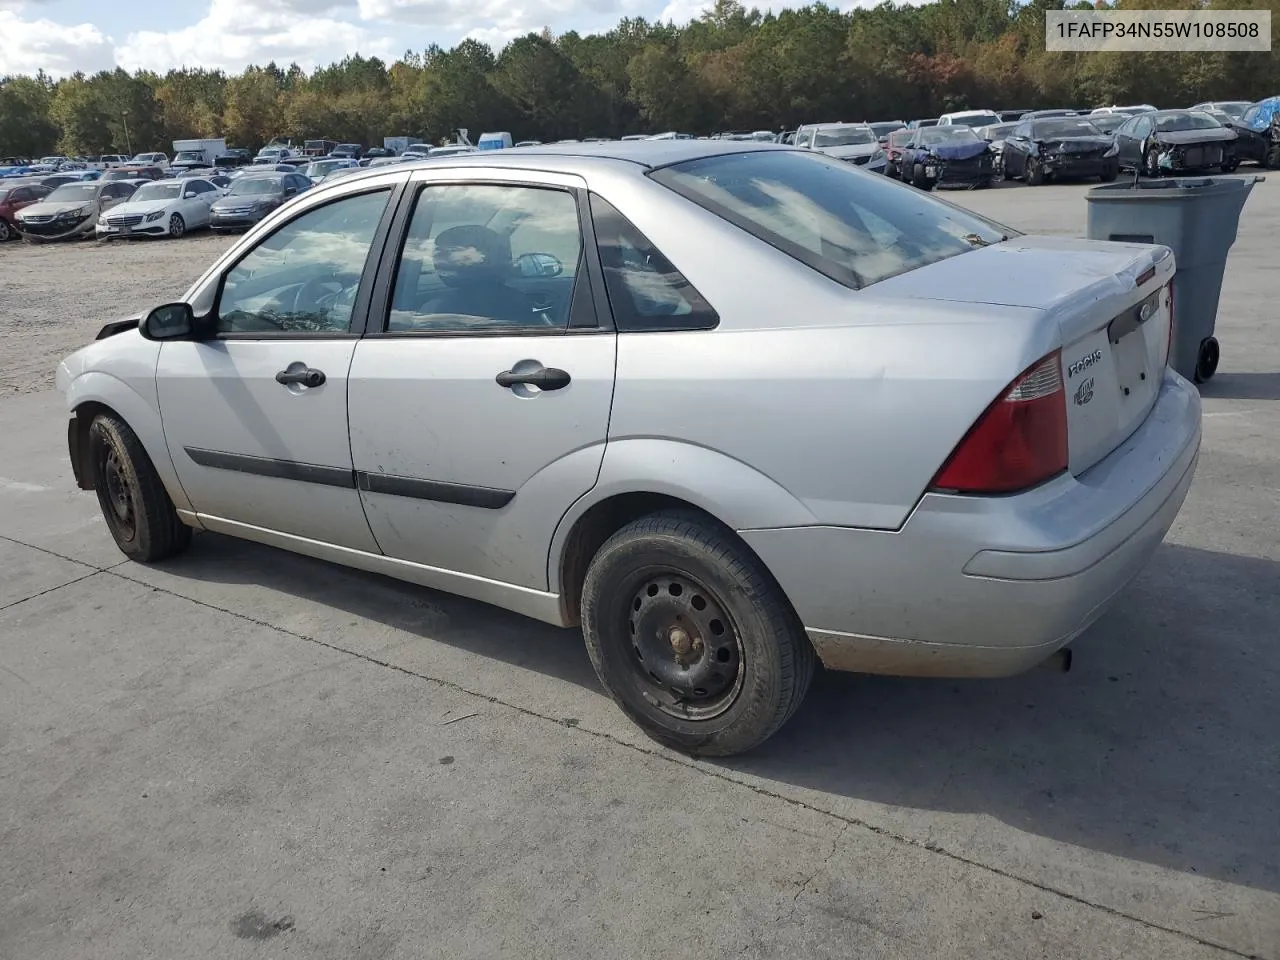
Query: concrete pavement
x=242, y=753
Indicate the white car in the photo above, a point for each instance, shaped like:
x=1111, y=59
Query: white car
x=969, y=118
x=853, y=143
x=162, y=208
x=160, y=160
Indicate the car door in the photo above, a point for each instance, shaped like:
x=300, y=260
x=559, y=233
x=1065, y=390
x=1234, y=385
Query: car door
x=255, y=413
x=1249, y=142
x=1129, y=138
x=197, y=197
x=480, y=398
x=1016, y=147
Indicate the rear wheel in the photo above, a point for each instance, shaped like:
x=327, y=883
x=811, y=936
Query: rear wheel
x=1207, y=360
x=133, y=499
x=691, y=636
x=177, y=226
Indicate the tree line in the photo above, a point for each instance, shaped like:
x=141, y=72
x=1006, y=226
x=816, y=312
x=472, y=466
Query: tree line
x=734, y=68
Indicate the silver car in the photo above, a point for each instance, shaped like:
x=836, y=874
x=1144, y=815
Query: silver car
x=852, y=142
x=732, y=407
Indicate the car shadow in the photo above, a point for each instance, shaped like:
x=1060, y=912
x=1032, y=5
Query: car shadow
x=1159, y=745
x=430, y=614
x=1242, y=386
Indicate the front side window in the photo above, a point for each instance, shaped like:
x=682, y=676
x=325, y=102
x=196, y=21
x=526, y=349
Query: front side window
x=852, y=228
x=304, y=277
x=488, y=258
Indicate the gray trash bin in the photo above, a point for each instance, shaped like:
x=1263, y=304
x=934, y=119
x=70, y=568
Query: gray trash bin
x=1196, y=217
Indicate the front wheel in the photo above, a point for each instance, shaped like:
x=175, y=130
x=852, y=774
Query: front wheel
x=1109, y=174
x=1229, y=165
x=691, y=636
x=1034, y=173
x=177, y=226
x=133, y=499
x=919, y=180
x=1151, y=162
x=6, y=231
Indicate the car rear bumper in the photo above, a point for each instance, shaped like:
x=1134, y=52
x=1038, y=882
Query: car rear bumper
x=989, y=586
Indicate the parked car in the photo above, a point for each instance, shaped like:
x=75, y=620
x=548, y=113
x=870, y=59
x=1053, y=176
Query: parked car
x=1107, y=123
x=854, y=142
x=1258, y=133
x=1010, y=116
x=251, y=198
x=710, y=557
x=160, y=160
x=71, y=211
x=947, y=156
x=1232, y=108
x=1060, y=147
x=893, y=148
x=969, y=118
x=882, y=129
x=317, y=169
x=132, y=172
x=1170, y=141
x=347, y=151
x=55, y=180
x=917, y=124
x=995, y=135
x=1047, y=114
x=14, y=196
x=162, y=208
x=1132, y=111
x=235, y=157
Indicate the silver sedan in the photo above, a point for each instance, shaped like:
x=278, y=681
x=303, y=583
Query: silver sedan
x=734, y=408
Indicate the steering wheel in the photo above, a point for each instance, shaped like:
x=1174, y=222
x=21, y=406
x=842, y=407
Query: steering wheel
x=316, y=295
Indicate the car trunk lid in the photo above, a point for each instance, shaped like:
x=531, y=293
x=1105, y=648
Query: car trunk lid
x=1111, y=305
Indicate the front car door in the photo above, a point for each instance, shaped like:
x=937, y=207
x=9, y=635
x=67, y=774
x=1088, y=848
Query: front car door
x=255, y=416
x=480, y=398
x=1251, y=144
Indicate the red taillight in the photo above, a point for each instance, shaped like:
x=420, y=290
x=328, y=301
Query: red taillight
x=1020, y=440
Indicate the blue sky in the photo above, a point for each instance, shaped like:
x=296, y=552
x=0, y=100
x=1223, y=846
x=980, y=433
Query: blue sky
x=62, y=36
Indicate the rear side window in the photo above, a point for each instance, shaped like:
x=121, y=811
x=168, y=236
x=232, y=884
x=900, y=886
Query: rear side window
x=646, y=291
x=853, y=227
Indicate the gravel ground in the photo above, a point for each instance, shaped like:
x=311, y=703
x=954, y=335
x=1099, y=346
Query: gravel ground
x=55, y=297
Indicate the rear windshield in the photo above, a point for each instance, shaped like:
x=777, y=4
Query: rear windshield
x=843, y=136
x=974, y=119
x=853, y=228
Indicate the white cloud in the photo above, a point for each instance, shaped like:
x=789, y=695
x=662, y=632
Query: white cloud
x=235, y=33
x=27, y=46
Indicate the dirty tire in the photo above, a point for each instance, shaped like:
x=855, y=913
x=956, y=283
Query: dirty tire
x=1229, y=165
x=632, y=582
x=1109, y=174
x=134, y=503
x=1033, y=173
x=6, y=231
x=918, y=179
x=1272, y=159
x=177, y=226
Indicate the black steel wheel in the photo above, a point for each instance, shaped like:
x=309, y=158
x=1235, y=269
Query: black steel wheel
x=1207, y=359
x=691, y=636
x=134, y=502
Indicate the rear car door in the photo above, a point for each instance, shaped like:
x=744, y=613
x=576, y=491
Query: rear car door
x=480, y=398
x=196, y=199
x=255, y=416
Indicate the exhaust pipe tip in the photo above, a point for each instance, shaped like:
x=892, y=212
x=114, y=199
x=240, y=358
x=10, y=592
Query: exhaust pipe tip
x=1060, y=660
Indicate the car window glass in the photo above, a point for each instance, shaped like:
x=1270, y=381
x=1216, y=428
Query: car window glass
x=305, y=276
x=1249, y=115
x=852, y=228
x=646, y=291
x=488, y=258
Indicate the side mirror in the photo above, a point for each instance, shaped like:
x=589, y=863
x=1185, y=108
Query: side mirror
x=539, y=265
x=173, y=321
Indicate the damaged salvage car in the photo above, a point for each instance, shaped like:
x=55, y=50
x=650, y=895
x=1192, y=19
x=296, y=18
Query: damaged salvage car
x=1258, y=133
x=951, y=156
x=1175, y=141
x=1058, y=148
x=608, y=348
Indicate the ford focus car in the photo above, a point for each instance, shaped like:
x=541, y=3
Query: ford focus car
x=733, y=408
x=252, y=197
